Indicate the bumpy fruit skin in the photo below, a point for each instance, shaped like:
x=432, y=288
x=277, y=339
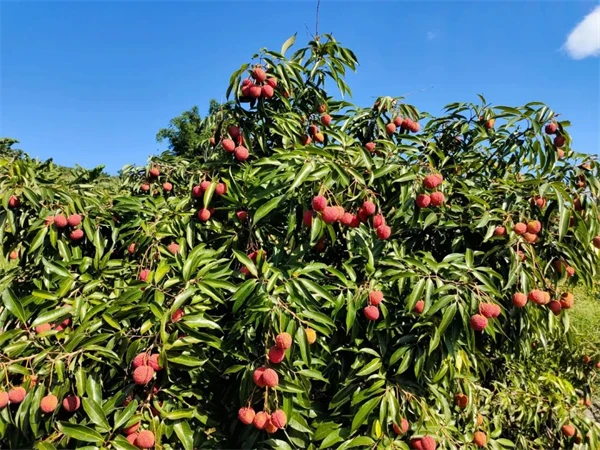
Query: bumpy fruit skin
x=3, y=399
x=168, y=187
x=141, y=359
x=521, y=255
x=519, y=300
x=375, y=297
x=555, y=307
x=154, y=172
x=228, y=145
x=319, y=203
x=326, y=119
x=283, y=341
x=319, y=137
x=398, y=122
x=177, y=315
x=330, y=214
x=534, y=227
x=402, y=428
x=259, y=75
x=539, y=201
x=260, y=420
x=489, y=124
x=480, y=439
x=71, y=403
x=276, y=354
x=153, y=362
x=267, y=91
x=17, y=395
x=370, y=147
x=242, y=216
x=499, y=231
x=478, y=322
x=559, y=141
x=272, y=82
x=432, y=181
x=307, y=218
x=131, y=438
x=423, y=200
x=203, y=215
x=246, y=415
x=437, y=198
x=278, y=418
x=390, y=128
x=428, y=443
x=173, y=248
x=419, y=307
x=568, y=430
x=567, y=300
x=76, y=235
x=145, y=187
x=131, y=249
x=270, y=427
x=369, y=208
x=313, y=129
x=144, y=274
x=257, y=376
x=13, y=255
x=539, y=297
x=384, y=232
x=145, y=439
x=371, y=312
x=461, y=400
x=254, y=91
x=416, y=444
x=43, y=328
x=49, y=403
x=142, y=375
x=241, y=153
x=531, y=238
x=221, y=189
x=550, y=128
x=270, y=378
x=596, y=242
x=378, y=220
x=520, y=228
x=489, y=310
x=64, y=324
x=306, y=140
x=311, y=336
x=74, y=220
x=14, y=201
x=60, y=221
x=132, y=429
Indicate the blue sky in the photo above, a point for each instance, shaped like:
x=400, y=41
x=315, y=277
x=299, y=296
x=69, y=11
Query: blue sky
x=91, y=83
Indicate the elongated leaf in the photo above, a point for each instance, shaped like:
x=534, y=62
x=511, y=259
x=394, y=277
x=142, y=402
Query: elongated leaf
x=95, y=412
x=80, y=432
x=363, y=413
x=265, y=209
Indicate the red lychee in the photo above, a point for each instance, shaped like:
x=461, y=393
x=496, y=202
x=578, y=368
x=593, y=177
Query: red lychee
x=390, y=128
x=478, y=322
x=141, y=359
x=203, y=214
x=423, y=200
x=221, y=189
x=370, y=147
x=260, y=420
x=3, y=399
x=49, y=220
x=378, y=220
x=499, y=231
x=60, y=221
x=168, y=187
x=371, y=312
x=246, y=415
x=320, y=138
x=307, y=218
x=270, y=378
x=560, y=153
x=173, y=248
x=278, y=418
x=71, y=403
x=555, y=307
x=145, y=187
x=270, y=427
x=375, y=297
x=320, y=245
x=519, y=300
x=154, y=172
x=17, y=395
x=153, y=362
x=14, y=201
x=64, y=324
x=330, y=214
x=521, y=255
x=267, y=91
x=559, y=141
x=283, y=341
x=142, y=375
x=319, y=203
x=272, y=82
x=383, y=232
x=313, y=129
x=276, y=354
x=414, y=126
x=480, y=439
x=13, y=255
x=531, y=238
x=76, y=235
x=596, y=242
x=428, y=443
x=419, y=306
x=132, y=428
x=43, y=328
x=539, y=297
x=259, y=75
x=461, y=400
x=402, y=428
x=398, y=122
x=550, y=128
x=306, y=140
x=369, y=208
x=322, y=108
x=539, y=201
x=242, y=215
x=362, y=215
x=489, y=310
x=228, y=145
x=566, y=300
x=241, y=153
x=432, y=181
x=144, y=274
x=232, y=130
x=257, y=376
x=177, y=315
x=49, y=403
x=145, y=439
x=437, y=198
x=326, y=119
x=520, y=228
x=568, y=430
x=74, y=220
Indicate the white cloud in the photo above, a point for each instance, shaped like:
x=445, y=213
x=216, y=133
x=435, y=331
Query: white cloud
x=584, y=40
x=430, y=35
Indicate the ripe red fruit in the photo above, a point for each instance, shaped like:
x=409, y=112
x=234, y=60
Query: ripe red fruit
x=534, y=227
x=539, y=297
x=499, y=231
x=306, y=140
x=567, y=300
x=267, y=91
x=428, y=443
x=254, y=91
x=64, y=324
x=362, y=215
x=414, y=126
x=228, y=145
x=270, y=378
x=416, y=444
x=49, y=403
x=49, y=220
x=173, y=248
x=480, y=439
x=519, y=300
x=423, y=200
x=560, y=153
x=437, y=198
x=13, y=255
x=319, y=203
x=419, y=306
x=326, y=119
x=489, y=310
x=278, y=418
x=319, y=138
x=272, y=82
x=60, y=221
x=313, y=129
x=539, y=201
x=322, y=109
x=531, y=238
x=369, y=208
x=283, y=341
x=203, y=215
x=402, y=428
x=596, y=242
x=398, y=122
x=74, y=220
x=521, y=255
x=132, y=428
x=432, y=181
x=14, y=201
x=390, y=128
x=241, y=153
x=478, y=322
x=76, y=235
x=153, y=362
x=154, y=172
x=371, y=312
x=131, y=438
x=177, y=315
x=378, y=220
x=375, y=297
x=242, y=216
x=520, y=228
x=330, y=214
x=260, y=420
x=197, y=192
x=43, y=328
x=551, y=128
x=246, y=415
x=559, y=141
x=570, y=271
x=370, y=147
x=461, y=400
x=145, y=188
x=142, y=375
x=307, y=218
x=346, y=219
x=17, y=395
x=257, y=376
x=259, y=75
x=71, y=403
x=141, y=359
x=555, y=307
x=568, y=430
x=270, y=427
x=221, y=189
x=383, y=232
x=145, y=439
x=213, y=141
x=276, y=354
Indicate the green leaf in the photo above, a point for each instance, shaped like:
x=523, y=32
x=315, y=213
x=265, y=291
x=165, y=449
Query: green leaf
x=371, y=367
x=52, y=316
x=185, y=435
x=80, y=432
x=302, y=175
x=363, y=413
x=14, y=305
x=288, y=43
x=246, y=261
x=265, y=209
x=95, y=413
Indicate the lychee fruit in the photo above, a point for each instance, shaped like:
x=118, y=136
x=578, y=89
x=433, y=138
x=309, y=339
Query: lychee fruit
x=596, y=242
x=221, y=189
x=307, y=218
x=371, y=312
x=499, y=231
x=60, y=221
x=461, y=400
x=267, y=91
x=520, y=228
x=370, y=147
x=560, y=153
x=71, y=403
x=272, y=82
x=313, y=129
x=390, y=128
x=320, y=138
x=555, y=307
x=325, y=120
x=177, y=315
x=76, y=235
x=260, y=420
x=319, y=203
x=378, y=220
x=551, y=128
x=145, y=439
x=242, y=215
x=144, y=274
x=419, y=307
x=383, y=232
x=74, y=220
x=369, y=208
x=257, y=376
x=141, y=359
x=17, y=395
x=322, y=108
x=437, y=198
x=259, y=75
x=49, y=220
x=283, y=341
x=521, y=255
x=145, y=187
x=478, y=322
x=480, y=439
x=320, y=245
x=539, y=201
x=398, y=122
x=14, y=201
x=423, y=200
x=173, y=248
x=559, y=141
x=489, y=310
x=241, y=153
x=519, y=300
x=142, y=375
x=586, y=359
x=3, y=399
x=432, y=181
x=531, y=238
x=330, y=214
x=568, y=430
x=539, y=297
x=270, y=378
x=311, y=335
x=276, y=354
x=154, y=172
x=306, y=140
x=489, y=124
x=168, y=187
x=43, y=328
x=254, y=91
x=228, y=145
x=153, y=362
x=375, y=297
x=414, y=126
x=132, y=428
x=203, y=214
x=13, y=255
x=567, y=300
x=278, y=418
x=402, y=428
x=270, y=427
x=64, y=324
x=246, y=415
x=49, y=403
x=428, y=443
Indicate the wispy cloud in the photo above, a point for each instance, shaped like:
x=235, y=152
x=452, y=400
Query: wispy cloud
x=430, y=35
x=584, y=40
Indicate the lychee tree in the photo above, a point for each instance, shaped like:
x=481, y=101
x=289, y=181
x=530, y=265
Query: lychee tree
x=317, y=275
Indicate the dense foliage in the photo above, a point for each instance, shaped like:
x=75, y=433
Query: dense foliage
x=403, y=330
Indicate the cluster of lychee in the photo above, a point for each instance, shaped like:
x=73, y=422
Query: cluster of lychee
x=61, y=222
x=45, y=327
x=313, y=129
x=542, y=298
x=417, y=443
x=405, y=125
x=371, y=311
x=530, y=230
x=153, y=174
x=144, y=368
x=431, y=181
x=478, y=322
x=260, y=87
x=141, y=439
x=48, y=403
x=204, y=214
x=333, y=214
x=559, y=140
x=263, y=420
x=240, y=152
